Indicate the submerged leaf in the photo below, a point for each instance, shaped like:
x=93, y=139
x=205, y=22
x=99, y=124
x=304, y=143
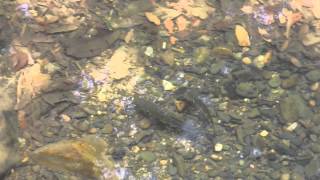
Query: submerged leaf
x=30, y=83
x=152, y=18
x=181, y=23
x=169, y=25
x=242, y=36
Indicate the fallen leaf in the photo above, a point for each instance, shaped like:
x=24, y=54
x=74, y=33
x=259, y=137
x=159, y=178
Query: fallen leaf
x=23, y=1
x=196, y=22
x=166, y=13
x=198, y=8
x=173, y=40
x=20, y=56
x=310, y=39
x=263, y=32
x=267, y=57
x=31, y=82
x=285, y=45
x=152, y=18
x=168, y=86
x=181, y=5
x=169, y=25
x=22, y=119
x=282, y=18
x=62, y=28
x=129, y=36
x=247, y=9
x=242, y=36
x=292, y=18
x=316, y=9
x=295, y=61
x=181, y=23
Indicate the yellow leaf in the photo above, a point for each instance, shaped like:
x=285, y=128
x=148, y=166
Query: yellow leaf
x=152, y=18
x=263, y=32
x=129, y=36
x=242, y=36
x=247, y=9
x=282, y=18
x=316, y=9
x=168, y=86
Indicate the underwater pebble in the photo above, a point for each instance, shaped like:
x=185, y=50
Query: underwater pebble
x=147, y=156
x=83, y=126
x=168, y=86
x=144, y=123
x=285, y=176
x=246, y=60
x=259, y=61
x=107, y=129
x=218, y=147
x=313, y=75
x=247, y=89
x=65, y=117
x=201, y=54
x=216, y=157
x=264, y=133
x=315, y=86
x=312, y=103
x=275, y=81
x=93, y=130
x=292, y=127
x=172, y=170
x=135, y=149
x=149, y=51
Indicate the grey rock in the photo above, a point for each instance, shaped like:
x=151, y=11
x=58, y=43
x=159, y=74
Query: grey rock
x=9, y=155
x=247, y=90
x=147, y=156
x=294, y=107
x=313, y=75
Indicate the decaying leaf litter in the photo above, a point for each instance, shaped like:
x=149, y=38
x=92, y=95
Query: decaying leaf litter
x=168, y=89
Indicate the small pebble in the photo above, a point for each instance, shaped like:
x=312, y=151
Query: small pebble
x=285, y=176
x=168, y=86
x=144, y=124
x=83, y=126
x=292, y=127
x=107, y=129
x=65, y=117
x=149, y=51
x=264, y=133
x=163, y=162
x=246, y=60
x=315, y=86
x=135, y=149
x=93, y=130
x=312, y=103
x=218, y=147
x=216, y=157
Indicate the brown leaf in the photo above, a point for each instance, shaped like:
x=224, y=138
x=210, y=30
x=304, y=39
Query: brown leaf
x=31, y=82
x=20, y=57
x=152, y=18
x=182, y=23
x=22, y=119
x=169, y=25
